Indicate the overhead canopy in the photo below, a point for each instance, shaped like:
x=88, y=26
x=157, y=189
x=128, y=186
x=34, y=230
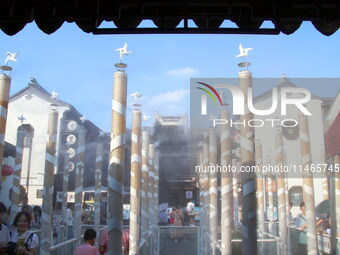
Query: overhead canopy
x=126, y=15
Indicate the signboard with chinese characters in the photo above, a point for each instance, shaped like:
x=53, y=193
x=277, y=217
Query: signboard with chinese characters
x=70, y=197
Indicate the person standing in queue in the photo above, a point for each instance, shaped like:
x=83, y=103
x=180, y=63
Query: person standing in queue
x=87, y=248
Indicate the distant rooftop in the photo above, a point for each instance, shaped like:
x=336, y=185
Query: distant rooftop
x=170, y=129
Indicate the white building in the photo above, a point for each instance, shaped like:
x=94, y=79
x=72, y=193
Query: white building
x=33, y=103
x=291, y=140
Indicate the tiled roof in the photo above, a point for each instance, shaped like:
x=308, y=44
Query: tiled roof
x=170, y=129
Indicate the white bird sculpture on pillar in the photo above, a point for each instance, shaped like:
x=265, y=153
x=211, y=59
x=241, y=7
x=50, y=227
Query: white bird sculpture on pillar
x=11, y=57
x=136, y=95
x=146, y=118
x=123, y=51
x=243, y=51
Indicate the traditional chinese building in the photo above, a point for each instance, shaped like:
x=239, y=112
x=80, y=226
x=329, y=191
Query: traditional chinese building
x=176, y=181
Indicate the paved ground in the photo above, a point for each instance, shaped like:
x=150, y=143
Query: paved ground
x=179, y=241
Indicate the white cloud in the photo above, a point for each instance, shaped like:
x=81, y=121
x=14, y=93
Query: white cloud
x=170, y=103
x=186, y=71
x=169, y=97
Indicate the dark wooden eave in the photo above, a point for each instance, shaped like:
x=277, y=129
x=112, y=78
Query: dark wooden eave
x=248, y=15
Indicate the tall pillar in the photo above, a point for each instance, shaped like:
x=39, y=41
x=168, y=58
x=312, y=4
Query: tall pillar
x=201, y=198
x=26, y=154
x=156, y=169
x=226, y=188
x=151, y=185
x=5, y=85
x=17, y=172
x=145, y=185
x=235, y=195
x=271, y=225
x=135, y=182
x=260, y=190
x=308, y=188
x=325, y=175
x=98, y=185
x=213, y=189
x=206, y=208
x=117, y=153
x=78, y=194
x=337, y=194
x=280, y=187
x=287, y=199
x=151, y=194
x=248, y=180
x=46, y=226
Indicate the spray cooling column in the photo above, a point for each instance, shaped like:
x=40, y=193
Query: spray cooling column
x=117, y=152
x=145, y=185
x=213, y=189
x=17, y=172
x=5, y=85
x=78, y=194
x=308, y=188
x=260, y=190
x=98, y=184
x=46, y=228
x=135, y=182
x=226, y=188
x=206, y=210
x=248, y=179
x=281, y=193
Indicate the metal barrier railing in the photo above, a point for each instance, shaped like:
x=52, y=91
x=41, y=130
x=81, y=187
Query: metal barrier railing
x=64, y=242
x=178, y=240
x=324, y=242
x=262, y=247
x=66, y=247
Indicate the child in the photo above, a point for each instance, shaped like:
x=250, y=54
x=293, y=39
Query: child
x=87, y=248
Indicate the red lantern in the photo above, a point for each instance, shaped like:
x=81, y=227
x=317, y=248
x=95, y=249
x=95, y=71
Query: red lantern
x=6, y=171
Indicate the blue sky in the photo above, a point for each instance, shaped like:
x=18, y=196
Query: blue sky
x=80, y=66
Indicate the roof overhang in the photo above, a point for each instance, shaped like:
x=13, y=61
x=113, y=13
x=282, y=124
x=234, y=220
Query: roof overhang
x=126, y=15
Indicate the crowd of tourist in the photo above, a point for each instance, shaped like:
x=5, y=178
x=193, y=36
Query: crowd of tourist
x=19, y=239
x=16, y=238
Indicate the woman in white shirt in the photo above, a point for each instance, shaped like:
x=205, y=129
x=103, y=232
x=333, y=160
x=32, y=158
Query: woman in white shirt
x=21, y=231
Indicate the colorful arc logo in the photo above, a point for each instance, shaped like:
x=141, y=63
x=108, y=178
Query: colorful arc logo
x=209, y=93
